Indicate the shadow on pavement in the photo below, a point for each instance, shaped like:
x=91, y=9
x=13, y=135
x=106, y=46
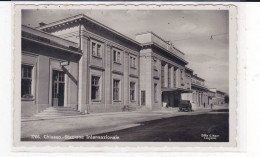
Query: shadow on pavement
x=220, y=110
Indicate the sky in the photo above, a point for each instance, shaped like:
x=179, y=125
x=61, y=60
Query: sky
x=189, y=30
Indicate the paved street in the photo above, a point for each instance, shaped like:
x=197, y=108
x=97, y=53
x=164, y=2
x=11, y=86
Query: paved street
x=187, y=128
x=133, y=125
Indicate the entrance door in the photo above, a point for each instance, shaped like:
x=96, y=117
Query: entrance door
x=57, y=88
x=142, y=98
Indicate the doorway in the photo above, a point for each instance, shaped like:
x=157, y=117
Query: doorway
x=58, y=84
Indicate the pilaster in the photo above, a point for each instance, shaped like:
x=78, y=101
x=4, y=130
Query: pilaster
x=108, y=75
x=126, y=78
x=83, y=73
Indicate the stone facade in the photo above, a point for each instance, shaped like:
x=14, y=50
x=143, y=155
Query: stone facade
x=80, y=63
x=199, y=96
x=219, y=96
x=163, y=78
x=98, y=58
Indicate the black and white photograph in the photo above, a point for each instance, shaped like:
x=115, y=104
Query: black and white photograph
x=125, y=75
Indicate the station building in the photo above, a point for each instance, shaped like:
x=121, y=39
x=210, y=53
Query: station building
x=79, y=63
x=162, y=76
x=82, y=64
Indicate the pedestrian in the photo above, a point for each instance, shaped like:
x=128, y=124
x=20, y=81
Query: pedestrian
x=211, y=105
x=204, y=105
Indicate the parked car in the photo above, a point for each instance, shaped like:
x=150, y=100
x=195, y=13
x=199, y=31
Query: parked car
x=185, y=105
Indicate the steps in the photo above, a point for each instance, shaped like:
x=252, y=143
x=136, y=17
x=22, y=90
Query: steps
x=57, y=112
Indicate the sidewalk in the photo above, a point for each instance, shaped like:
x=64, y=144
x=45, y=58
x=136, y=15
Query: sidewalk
x=95, y=123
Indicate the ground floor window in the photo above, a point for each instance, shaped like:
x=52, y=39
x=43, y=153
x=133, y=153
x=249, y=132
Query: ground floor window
x=26, y=81
x=95, y=87
x=155, y=92
x=169, y=77
x=116, y=90
x=132, y=91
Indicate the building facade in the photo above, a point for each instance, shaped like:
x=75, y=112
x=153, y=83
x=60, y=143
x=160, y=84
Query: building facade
x=82, y=64
x=162, y=77
x=79, y=63
x=219, y=96
x=199, y=96
x=45, y=82
x=199, y=92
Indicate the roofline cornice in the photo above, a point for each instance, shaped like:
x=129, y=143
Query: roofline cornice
x=81, y=18
x=160, y=39
x=198, y=78
x=188, y=69
x=47, y=33
x=162, y=48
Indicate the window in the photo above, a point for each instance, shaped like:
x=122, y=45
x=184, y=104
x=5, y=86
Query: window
x=174, y=78
x=132, y=91
x=116, y=56
x=93, y=49
x=155, y=92
x=169, y=77
x=96, y=49
x=163, y=76
x=155, y=64
x=181, y=75
x=132, y=62
x=182, y=78
x=95, y=88
x=26, y=82
x=116, y=90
